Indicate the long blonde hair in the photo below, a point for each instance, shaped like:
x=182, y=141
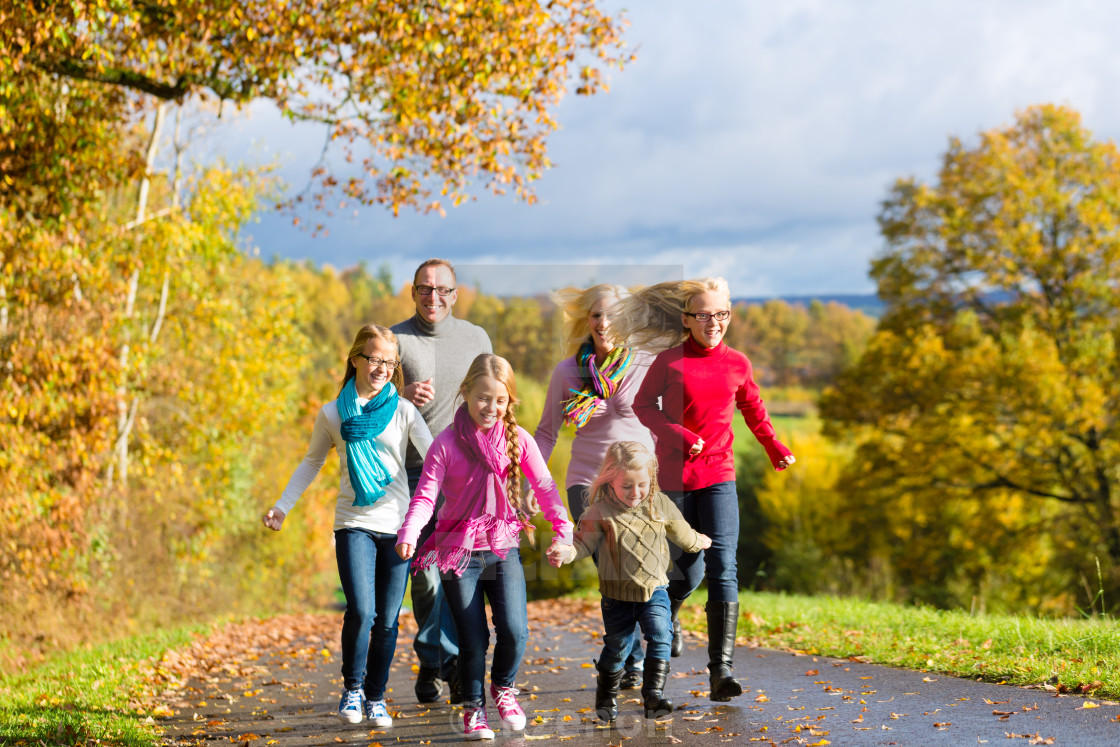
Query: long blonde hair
x=365, y=334
x=575, y=304
x=625, y=456
x=498, y=368
x=651, y=317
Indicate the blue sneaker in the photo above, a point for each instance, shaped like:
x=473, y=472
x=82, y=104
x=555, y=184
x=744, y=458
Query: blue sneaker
x=350, y=707
x=378, y=713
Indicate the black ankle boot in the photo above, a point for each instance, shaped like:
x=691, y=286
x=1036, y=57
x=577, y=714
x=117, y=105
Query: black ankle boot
x=428, y=685
x=653, y=687
x=677, y=645
x=723, y=619
x=606, y=694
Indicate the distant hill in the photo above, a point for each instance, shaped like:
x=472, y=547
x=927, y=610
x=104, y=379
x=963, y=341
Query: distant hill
x=868, y=303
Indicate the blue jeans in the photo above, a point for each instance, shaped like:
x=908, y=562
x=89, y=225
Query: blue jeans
x=503, y=584
x=619, y=619
x=713, y=511
x=577, y=504
x=373, y=578
x=436, y=643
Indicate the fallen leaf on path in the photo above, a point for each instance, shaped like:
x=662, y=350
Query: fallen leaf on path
x=1088, y=704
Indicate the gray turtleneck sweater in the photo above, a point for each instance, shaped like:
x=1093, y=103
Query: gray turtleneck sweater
x=441, y=352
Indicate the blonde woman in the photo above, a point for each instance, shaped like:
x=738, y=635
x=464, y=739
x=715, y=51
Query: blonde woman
x=593, y=390
x=477, y=464
x=371, y=427
x=688, y=399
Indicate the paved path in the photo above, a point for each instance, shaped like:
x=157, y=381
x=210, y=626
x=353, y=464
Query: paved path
x=284, y=688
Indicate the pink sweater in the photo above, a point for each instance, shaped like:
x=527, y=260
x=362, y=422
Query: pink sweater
x=700, y=389
x=446, y=469
x=614, y=420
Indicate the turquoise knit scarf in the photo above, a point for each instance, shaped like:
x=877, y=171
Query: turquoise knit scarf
x=368, y=473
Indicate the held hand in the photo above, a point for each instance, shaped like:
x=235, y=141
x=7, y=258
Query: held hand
x=274, y=519
x=696, y=447
x=405, y=550
x=786, y=461
x=705, y=541
x=419, y=392
x=558, y=554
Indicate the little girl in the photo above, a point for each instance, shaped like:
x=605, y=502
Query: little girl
x=629, y=522
x=476, y=463
x=371, y=427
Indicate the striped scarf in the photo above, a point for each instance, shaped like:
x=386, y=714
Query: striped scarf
x=599, y=384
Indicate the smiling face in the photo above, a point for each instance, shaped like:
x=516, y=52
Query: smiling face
x=487, y=401
x=631, y=487
x=709, y=333
x=434, y=308
x=369, y=380
x=599, y=325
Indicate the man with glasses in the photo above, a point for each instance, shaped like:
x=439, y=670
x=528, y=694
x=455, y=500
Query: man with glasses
x=436, y=351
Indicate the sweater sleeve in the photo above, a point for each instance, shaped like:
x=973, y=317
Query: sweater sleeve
x=677, y=529
x=652, y=415
x=749, y=401
x=308, y=469
x=548, y=428
x=423, y=501
x=418, y=433
x=544, y=488
x=588, y=534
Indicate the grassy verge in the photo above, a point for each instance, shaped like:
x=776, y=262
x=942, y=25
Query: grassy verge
x=1071, y=655
x=86, y=696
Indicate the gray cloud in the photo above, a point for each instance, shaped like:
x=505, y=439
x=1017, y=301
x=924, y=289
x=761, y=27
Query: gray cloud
x=752, y=140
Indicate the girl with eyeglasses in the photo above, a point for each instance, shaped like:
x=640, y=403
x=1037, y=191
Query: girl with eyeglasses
x=688, y=400
x=371, y=427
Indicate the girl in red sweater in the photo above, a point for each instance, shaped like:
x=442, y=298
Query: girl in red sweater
x=688, y=400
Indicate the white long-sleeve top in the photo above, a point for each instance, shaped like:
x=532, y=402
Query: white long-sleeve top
x=387, y=514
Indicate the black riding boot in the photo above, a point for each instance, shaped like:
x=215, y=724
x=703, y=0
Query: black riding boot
x=723, y=619
x=677, y=645
x=606, y=694
x=653, y=687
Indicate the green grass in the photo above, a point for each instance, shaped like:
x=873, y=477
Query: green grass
x=85, y=696
x=1012, y=649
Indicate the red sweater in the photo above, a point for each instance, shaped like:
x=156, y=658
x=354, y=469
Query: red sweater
x=699, y=390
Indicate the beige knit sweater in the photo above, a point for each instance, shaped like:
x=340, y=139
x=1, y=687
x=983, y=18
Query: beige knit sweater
x=633, y=546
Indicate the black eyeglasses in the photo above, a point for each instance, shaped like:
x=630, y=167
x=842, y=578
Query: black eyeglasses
x=704, y=316
x=426, y=290
x=376, y=362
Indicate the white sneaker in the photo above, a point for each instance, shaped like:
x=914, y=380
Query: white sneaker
x=350, y=707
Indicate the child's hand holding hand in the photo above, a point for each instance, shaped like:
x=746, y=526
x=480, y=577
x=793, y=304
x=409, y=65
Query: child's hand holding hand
x=559, y=553
x=405, y=550
x=705, y=541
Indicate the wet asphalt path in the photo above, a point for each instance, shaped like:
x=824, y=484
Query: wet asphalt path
x=287, y=695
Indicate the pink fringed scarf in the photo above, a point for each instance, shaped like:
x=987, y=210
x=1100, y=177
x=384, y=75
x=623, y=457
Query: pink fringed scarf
x=489, y=512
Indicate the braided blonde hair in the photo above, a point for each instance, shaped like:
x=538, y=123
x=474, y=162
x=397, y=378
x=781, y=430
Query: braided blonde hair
x=576, y=304
x=625, y=456
x=499, y=369
x=651, y=317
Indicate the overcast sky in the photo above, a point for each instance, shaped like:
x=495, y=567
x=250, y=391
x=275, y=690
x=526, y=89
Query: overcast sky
x=750, y=139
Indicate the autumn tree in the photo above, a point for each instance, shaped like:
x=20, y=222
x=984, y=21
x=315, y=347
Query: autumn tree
x=420, y=97
x=985, y=408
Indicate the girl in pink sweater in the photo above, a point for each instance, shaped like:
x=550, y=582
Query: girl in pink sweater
x=688, y=400
x=477, y=464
